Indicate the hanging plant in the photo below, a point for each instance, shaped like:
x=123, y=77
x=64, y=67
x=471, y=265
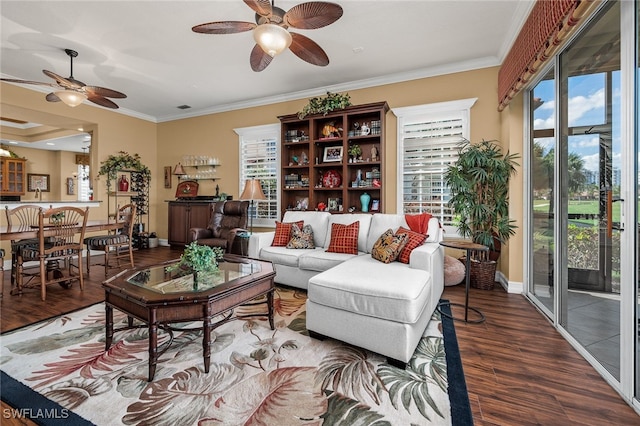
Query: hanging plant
x=123, y=161
x=324, y=105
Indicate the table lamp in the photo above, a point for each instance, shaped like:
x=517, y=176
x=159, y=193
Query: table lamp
x=252, y=191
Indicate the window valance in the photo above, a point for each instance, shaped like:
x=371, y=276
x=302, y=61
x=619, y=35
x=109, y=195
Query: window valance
x=548, y=25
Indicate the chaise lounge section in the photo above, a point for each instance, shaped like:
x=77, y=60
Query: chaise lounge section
x=382, y=307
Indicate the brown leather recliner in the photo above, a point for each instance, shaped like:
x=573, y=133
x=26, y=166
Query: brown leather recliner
x=228, y=218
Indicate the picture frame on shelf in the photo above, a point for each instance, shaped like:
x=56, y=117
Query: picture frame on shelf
x=332, y=154
x=375, y=205
x=36, y=181
x=332, y=204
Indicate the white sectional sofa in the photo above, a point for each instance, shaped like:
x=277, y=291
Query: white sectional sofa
x=354, y=298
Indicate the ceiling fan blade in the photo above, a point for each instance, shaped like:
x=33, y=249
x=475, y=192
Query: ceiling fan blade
x=101, y=91
x=259, y=59
x=224, y=27
x=69, y=83
x=102, y=101
x=52, y=97
x=312, y=15
x=261, y=7
x=308, y=50
x=39, y=83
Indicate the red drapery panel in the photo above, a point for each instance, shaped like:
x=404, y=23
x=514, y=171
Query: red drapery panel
x=548, y=24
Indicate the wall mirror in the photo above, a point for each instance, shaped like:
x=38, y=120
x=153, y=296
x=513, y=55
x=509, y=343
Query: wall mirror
x=54, y=145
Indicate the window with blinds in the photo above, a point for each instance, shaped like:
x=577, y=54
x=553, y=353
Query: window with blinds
x=428, y=138
x=259, y=160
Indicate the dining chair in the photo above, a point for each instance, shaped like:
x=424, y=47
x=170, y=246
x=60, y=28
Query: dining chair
x=60, y=238
x=21, y=218
x=118, y=244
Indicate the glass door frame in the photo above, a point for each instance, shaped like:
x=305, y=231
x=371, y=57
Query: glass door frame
x=629, y=384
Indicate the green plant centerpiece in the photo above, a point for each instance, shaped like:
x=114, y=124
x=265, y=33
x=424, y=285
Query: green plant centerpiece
x=479, y=185
x=121, y=161
x=196, y=259
x=354, y=151
x=324, y=105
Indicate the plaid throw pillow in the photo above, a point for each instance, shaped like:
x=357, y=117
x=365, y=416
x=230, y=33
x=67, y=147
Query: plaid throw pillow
x=415, y=239
x=283, y=233
x=301, y=238
x=344, y=238
x=388, y=246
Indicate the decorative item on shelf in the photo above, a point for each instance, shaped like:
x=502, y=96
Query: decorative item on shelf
x=197, y=259
x=123, y=184
x=325, y=105
x=374, y=153
x=321, y=206
x=331, y=179
x=364, y=201
x=354, y=152
x=305, y=158
x=329, y=130
x=122, y=161
x=364, y=129
x=375, y=205
x=252, y=192
x=332, y=154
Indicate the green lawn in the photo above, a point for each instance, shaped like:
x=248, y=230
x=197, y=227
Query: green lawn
x=579, y=207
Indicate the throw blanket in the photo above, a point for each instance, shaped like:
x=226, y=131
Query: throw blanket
x=418, y=222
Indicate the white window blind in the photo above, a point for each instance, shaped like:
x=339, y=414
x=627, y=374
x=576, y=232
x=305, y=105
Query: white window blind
x=428, y=138
x=83, y=183
x=259, y=160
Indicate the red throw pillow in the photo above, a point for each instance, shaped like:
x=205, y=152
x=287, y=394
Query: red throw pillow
x=283, y=233
x=415, y=239
x=344, y=238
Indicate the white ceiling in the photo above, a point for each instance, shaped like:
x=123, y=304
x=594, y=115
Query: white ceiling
x=147, y=50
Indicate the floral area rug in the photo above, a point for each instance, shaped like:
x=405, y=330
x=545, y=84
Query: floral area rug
x=258, y=376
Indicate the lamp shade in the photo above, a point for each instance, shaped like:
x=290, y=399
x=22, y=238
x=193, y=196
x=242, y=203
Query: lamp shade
x=252, y=190
x=273, y=39
x=178, y=170
x=71, y=97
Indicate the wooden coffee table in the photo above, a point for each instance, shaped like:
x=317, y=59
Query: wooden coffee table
x=159, y=298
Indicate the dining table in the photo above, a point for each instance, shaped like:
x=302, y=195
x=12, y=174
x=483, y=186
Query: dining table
x=8, y=233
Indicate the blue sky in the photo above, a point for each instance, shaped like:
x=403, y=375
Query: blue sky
x=586, y=108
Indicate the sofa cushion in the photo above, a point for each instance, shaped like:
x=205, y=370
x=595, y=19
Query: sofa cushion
x=283, y=233
x=380, y=222
x=282, y=255
x=301, y=238
x=320, y=260
x=388, y=246
x=344, y=238
x=319, y=221
x=364, y=286
x=415, y=239
x=346, y=219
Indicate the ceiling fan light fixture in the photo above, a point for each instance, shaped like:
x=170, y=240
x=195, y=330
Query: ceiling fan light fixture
x=272, y=38
x=71, y=97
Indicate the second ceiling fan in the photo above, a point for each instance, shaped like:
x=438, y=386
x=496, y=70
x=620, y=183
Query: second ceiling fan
x=271, y=30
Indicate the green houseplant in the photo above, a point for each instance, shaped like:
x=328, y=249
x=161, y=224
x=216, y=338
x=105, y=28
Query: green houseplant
x=479, y=185
x=196, y=259
x=122, y=161
x=324, y=105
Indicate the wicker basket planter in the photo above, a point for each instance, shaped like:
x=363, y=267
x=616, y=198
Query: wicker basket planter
x=483, y=274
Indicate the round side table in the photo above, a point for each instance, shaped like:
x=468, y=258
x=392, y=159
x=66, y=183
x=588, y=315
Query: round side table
x=469, y=247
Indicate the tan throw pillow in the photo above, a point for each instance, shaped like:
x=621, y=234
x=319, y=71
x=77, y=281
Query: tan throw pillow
x=301, y=238
x=283, y=233
x=388, y=246
x=344, y=238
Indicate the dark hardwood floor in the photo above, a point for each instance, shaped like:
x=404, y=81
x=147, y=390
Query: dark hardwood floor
x=519, y=370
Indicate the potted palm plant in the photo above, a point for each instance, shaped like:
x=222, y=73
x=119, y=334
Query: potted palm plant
x=479, y=185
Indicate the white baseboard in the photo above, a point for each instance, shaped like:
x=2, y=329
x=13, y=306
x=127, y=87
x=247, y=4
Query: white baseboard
x=163, y=242
x=509, y=286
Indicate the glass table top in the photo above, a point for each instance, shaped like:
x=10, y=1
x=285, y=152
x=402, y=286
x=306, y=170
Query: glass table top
x=158, y=279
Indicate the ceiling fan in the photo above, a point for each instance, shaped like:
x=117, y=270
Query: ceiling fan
x=73, y=92
x=271, y=30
